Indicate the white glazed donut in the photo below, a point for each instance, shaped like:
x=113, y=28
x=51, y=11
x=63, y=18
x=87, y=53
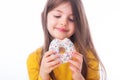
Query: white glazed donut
x=66, y=44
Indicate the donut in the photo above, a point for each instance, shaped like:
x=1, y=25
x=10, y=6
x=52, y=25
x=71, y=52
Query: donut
x=67, y=47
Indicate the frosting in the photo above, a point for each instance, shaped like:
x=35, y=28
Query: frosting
x=68, y=46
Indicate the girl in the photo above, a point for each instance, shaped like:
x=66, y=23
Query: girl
x=65, y=19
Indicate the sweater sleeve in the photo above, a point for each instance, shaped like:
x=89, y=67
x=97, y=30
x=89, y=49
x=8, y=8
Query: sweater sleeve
x=93, y=67
x=33, y=65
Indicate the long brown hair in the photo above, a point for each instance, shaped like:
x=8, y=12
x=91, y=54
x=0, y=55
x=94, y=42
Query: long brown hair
x=81, y=37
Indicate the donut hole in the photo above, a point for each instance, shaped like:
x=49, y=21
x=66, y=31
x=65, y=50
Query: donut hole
x=61, y=50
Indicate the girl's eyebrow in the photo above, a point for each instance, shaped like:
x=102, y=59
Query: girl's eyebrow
x=61, y=11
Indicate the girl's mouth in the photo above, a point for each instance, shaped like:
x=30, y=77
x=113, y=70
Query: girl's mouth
x=61, y=29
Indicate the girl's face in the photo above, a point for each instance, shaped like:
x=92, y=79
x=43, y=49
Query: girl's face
x=60, y=21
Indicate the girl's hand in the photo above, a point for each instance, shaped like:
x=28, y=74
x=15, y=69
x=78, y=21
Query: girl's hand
x=49, y=62
x=76, y=66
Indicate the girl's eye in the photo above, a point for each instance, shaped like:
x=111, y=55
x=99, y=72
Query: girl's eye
x=71, y=20
x=57, y=16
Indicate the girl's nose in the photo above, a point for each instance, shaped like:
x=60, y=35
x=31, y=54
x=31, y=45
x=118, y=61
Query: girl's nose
x=64, y=22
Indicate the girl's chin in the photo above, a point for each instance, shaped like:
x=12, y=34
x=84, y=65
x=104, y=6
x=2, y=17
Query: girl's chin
x=61, y=38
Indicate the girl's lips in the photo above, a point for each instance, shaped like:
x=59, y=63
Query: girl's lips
x=62, y=29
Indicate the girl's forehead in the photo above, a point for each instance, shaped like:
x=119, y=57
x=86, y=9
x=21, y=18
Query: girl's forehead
x=64, y=8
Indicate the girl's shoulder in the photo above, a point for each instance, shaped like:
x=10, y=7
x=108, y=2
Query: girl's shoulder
x=35, y=56
x=90, y=54
x=92, y=60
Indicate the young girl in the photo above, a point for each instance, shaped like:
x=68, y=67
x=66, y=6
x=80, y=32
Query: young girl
x=65, y=19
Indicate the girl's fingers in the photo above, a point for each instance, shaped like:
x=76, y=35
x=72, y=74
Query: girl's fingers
x=53, y=64
x=76, y=61
x=48, y=53
x=52, y=57
x=49, y=63
x=73, y=68
x=53, y=67
x=75, y=64
x=77, y=57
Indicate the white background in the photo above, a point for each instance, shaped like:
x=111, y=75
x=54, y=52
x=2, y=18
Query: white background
x=21, y=33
